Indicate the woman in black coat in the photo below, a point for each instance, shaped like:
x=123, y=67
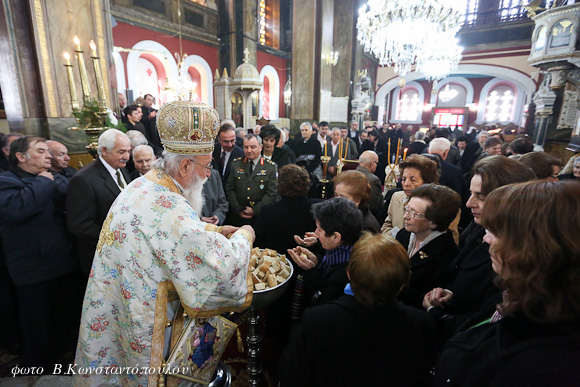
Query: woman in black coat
x=429, y=243
x=365, y=337
x=471, y=294
x=533, y=338
x=354, y=186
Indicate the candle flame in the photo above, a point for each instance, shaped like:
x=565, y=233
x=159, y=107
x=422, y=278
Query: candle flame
x=66, y=55
x=406, y=149
x=93, y=45
x=76, y=40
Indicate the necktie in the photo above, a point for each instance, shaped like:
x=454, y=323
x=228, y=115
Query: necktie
x=223, y=162
x=251, y=166
x=119, y=180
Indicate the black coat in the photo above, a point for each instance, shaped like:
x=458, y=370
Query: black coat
x=90, y=195
x=381, y=149
x=430, y=267
x=280, y=221
x=514, y=351
x=474, y=293
x=310, y=147
x=36, y=243
x=346, y=343
x=216, y=162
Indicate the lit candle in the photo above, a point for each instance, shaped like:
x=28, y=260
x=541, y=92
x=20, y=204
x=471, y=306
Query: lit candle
x=82, y=70
x=100, y=85
x=325, y=152
x=71, y=81
x=405, y=154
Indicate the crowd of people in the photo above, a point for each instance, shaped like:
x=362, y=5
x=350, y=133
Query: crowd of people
x=466, y=273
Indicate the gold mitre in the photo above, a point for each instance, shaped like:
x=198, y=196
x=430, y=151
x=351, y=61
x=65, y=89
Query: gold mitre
x=188, y=127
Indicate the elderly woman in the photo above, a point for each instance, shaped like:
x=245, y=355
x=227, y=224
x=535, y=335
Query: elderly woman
x=353, y=185
x=397, y=341
x=416, y=170
x=533, y=339
x=428, y=241
x=575, y=175
x=338, y=227
x=280, y=221
x=471, y=293
x=270, y=139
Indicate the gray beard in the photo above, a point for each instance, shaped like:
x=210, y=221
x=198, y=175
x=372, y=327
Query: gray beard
x=194, y=194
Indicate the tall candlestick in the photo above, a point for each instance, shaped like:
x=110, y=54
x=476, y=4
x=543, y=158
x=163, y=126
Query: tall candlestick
x=389, y=152
x=83, y=71
x=405, y=154
x=325, y=151
x=346, y=151
x=71, y=82
x=398, y=147
x=100, y=85
x=340, y=149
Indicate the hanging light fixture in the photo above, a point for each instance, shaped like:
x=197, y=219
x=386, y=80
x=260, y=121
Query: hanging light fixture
x=401, y=33
x=288, y=91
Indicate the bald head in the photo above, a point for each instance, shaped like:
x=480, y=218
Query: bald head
x=369, y=160
x=59, y=155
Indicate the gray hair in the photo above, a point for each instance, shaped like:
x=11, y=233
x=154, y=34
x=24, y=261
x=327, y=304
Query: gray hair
x=136, y=138
x=169, y=163
x=108, y=139
x=335, y=129
x=305, y=124
x=439, y=146
x=143, y=147
x=239, y=132
x=419, y=136
x=250, y=136
x=483, y=133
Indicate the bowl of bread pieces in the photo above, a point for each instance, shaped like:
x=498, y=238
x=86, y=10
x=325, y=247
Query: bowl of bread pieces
x=270, y=273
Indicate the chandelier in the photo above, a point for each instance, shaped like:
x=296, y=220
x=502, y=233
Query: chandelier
x=447, y=94
x=401, y=33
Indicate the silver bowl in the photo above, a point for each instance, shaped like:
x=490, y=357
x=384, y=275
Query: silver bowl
x=266, y=297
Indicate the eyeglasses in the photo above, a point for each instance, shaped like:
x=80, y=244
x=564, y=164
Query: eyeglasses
x=414, y=214
x=208, y=166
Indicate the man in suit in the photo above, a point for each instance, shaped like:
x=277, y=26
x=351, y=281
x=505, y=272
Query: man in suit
x=380, y=147
x=367, y=164
x=307, y=145
x=323, y=134
x=143, y=157
x=226, y=151
x=59, y=163
x=337, y=149
x=215, y=204
x=351, y=144
x=450, y=174
x=363, y=135
x=252, y=183
x=353, y=130
x=149, y=121
x=92, y=191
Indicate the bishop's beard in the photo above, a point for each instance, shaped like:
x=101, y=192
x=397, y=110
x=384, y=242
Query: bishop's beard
x=194, y=195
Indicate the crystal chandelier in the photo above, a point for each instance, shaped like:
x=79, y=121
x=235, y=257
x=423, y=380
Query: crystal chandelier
x=447, y=94
x=403, y=32
x=439, y=60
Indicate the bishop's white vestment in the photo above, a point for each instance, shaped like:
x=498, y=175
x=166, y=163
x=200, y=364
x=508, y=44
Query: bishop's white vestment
x=152, y=234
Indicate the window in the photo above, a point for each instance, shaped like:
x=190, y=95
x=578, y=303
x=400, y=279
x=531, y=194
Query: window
x=511, y=10
x=408, y=105
x=471, y=12
x=157, y=6
x=500, y=104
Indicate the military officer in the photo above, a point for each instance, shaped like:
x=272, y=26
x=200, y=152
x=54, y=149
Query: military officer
x=253, y=182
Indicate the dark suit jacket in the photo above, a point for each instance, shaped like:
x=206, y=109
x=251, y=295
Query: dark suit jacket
x=280, y=221
x=216, y=162
x=346, y=343
x=381, y=149
x=215, y=202
x=376, y=198
x=90, y=195
x=430, y=267
x=310, y=147
x=474, y=293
